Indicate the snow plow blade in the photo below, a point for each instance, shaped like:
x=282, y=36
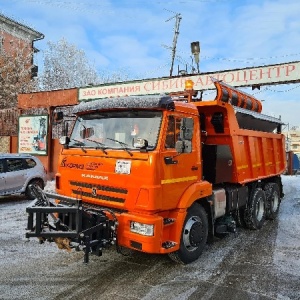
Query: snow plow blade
x=69, y=224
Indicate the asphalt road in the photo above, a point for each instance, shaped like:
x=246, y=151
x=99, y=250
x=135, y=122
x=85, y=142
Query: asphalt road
x=262, y=264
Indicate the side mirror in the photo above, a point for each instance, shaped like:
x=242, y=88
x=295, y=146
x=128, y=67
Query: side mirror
x=57, y=117
x=139, y=143
x=187, y=129
x=179, y=146
x=187, y=146
x=183, y=146
x=64, y=140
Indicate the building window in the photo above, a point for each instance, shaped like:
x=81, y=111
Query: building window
x=1, y=43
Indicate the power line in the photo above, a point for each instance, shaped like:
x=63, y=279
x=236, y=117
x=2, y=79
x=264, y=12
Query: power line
x=282, y=91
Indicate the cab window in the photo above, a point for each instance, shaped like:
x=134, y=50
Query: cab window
x=173, y=132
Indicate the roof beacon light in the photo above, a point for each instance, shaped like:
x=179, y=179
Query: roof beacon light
x=189, y=85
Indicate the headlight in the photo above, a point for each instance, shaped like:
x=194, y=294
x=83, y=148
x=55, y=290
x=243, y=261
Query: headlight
x=143, y=229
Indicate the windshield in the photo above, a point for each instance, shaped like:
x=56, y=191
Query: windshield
x=117, y=130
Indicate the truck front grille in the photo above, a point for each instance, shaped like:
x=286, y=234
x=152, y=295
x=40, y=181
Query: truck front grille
x=92, y=191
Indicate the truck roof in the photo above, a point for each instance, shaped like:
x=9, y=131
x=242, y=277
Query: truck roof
x=129, y=102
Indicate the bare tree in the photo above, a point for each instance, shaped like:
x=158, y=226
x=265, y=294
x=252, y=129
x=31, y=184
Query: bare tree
x=120, y=75
x=65, y=66
x=15, y=75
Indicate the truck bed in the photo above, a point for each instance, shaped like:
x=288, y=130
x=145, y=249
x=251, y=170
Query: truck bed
x=240, y=145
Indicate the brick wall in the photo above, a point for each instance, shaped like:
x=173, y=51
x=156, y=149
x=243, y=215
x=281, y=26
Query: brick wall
x=9, y=122
x=4, y=144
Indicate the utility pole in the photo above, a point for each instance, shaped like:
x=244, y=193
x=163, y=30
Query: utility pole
x=176, y=33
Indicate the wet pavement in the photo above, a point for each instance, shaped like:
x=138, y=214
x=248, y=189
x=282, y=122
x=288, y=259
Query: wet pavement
x=262, y=264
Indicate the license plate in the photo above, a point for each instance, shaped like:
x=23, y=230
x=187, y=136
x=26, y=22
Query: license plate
x=123, y=167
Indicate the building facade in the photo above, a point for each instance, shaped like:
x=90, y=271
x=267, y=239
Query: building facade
x=293, y=141
x=15, y=37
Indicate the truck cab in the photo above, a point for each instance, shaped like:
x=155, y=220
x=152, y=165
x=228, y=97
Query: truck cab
x=140, y=159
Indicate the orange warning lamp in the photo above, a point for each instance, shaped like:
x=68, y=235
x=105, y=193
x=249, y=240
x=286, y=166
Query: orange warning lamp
x=189, y=85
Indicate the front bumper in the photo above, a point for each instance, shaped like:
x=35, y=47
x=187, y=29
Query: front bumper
x=88, y=230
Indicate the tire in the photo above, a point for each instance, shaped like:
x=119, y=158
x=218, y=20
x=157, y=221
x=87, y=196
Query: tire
x=255, y=212
x=272, y=200
x=28, y=193
x=194, y=235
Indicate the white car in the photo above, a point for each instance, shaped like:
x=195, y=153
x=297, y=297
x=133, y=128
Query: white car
x=18, y=171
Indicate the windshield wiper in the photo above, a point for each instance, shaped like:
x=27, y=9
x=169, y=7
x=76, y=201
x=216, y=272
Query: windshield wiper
x=80, y=144
x=101, y=145
x=124, y=145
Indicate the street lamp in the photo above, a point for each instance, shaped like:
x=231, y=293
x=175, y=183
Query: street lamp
x=195, y=48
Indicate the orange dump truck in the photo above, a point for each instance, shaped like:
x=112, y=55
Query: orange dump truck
x=162, y=174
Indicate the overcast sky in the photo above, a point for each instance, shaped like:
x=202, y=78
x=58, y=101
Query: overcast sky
x=135, y=37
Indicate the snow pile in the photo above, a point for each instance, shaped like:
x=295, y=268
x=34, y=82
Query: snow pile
x=50, y=186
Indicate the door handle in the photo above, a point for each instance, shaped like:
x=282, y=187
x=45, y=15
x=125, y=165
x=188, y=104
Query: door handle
x=194, y=168
x=169, y=160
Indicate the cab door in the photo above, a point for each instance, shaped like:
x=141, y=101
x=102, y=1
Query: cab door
x=181, y=164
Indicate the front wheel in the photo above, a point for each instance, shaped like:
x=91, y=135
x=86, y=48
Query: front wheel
x=194, y=235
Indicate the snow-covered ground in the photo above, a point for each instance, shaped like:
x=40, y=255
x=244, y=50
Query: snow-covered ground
x=287, y=250
x=263, y=264
x=50, y=187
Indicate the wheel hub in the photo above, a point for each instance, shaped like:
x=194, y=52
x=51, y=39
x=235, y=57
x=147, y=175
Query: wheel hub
x=275, y=202
x=260, y=209
x=192, y=234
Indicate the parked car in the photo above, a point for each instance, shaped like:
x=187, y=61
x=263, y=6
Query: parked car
x=18, y=171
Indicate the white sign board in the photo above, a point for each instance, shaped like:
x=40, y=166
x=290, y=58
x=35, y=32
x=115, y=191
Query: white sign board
x=272, y=74
x=33, y=131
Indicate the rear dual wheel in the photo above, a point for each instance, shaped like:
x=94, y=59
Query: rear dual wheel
x=272, y=200
x=255, y=212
